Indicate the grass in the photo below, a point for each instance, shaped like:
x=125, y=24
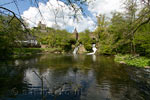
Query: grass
x=25, y=52
x=18, y=51
x=133, y=60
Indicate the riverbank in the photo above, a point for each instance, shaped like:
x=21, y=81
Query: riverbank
x=26, y=52
x=137, y=61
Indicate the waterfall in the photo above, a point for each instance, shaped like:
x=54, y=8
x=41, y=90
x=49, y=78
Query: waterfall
x=94, y=50
x=76, y=50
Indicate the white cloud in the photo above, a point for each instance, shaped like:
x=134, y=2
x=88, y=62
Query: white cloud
x=32, y=15
x=105, y=6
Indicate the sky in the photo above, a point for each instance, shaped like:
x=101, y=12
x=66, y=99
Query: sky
x=64, y=15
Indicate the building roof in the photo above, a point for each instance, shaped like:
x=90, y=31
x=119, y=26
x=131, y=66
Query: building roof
x=42, y=26
x=75, y=33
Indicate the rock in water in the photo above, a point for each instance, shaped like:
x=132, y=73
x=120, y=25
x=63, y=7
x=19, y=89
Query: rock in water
x=82, y=49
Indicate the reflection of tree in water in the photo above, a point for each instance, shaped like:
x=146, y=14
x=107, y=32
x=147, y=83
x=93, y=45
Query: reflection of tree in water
x=60, y=88
x=70, y=79
x=12, y=74
x=11, y=79
x=61, y=62
x=141, y=79
x=120, y=82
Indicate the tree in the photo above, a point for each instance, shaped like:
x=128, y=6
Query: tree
x=101, y=25
x=105, y=39
x=131, y=9
x=9, y=35
x=137, y=21
x=86, y=40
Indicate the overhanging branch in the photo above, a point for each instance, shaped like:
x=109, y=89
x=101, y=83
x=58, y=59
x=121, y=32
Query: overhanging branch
x=143, y=23
x=14, y=16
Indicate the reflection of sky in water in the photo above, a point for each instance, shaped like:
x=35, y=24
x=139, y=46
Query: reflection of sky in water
x=31, y=78
x=93, y=77
x=87, y=82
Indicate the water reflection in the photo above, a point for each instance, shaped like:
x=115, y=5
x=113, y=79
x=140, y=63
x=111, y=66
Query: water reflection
x=69, y=77
x=94, y=58
x=75, y=56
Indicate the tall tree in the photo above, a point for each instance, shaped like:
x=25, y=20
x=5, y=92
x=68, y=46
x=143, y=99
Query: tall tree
x=131, y=9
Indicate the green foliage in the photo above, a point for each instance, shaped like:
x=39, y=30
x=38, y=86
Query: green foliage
x=86, y=40
x=106, y=39
x=27, y=51
x=55, y=38
x=119, y=34
x=9, y=34
x=133, y=60
x=142, y=40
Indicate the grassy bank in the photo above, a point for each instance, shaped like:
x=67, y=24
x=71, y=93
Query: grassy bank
x=137, y=61
x=26, y=52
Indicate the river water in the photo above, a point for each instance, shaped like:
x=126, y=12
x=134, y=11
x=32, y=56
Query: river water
x=72, y=77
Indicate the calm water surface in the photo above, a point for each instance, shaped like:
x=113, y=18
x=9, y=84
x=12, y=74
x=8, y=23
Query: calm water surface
x=68, y=77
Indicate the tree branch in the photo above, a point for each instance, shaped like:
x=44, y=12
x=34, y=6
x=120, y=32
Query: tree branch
x=14, y=16
x=145, y=22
